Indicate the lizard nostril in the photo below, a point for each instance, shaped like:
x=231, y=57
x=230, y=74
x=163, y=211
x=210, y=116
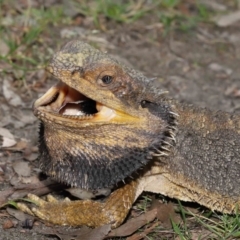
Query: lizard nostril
x=77, y=70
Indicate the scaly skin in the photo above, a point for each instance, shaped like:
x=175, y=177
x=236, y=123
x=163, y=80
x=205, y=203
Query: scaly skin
x=90, y=213
x=134, y=134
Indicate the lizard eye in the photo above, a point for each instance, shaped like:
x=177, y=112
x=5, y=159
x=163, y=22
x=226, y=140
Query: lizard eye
x=105, y=78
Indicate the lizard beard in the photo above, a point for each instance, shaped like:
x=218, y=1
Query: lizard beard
x=95, y=171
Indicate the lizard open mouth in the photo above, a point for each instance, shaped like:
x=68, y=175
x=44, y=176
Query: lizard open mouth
x=64, y=101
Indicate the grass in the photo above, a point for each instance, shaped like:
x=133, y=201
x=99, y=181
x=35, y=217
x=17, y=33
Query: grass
x=174, y=15
x=26, y=32
x=24, y=36
x=119, y=11
x=204, y=223
x=170, y=12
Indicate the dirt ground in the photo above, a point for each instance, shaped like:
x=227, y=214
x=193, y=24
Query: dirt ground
x=199, y=66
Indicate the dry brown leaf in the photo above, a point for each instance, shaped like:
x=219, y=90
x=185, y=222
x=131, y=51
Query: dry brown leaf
x=133, y=224
x=26, y=118
x=228, y=19
x=15, y=180
x=4, y=195
x=6, y=138
x=11, y=97
x=39, y=184
x=31, y=179
x=202, y=234
x=21, y=190
x=93, y=234
x=139, y=236
x=8, y=224
x=22, y=168
x=31, y=157
x=165, y=213
x=4, y=48
x=83, y=233
x=19, y=215
x=2, y=214
x=20, y=146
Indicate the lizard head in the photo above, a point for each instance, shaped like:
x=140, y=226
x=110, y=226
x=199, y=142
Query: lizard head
x=102, y=121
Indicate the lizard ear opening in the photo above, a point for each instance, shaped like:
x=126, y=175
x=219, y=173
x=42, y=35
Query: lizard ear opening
x=162, y=110
x=144, y=103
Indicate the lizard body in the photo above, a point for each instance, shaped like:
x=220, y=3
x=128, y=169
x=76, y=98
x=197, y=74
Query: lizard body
x=105, y=123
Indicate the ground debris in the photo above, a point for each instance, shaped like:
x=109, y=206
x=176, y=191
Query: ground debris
x=139, y=236
x=228, y=19
x=213, y=5
x=32, y=29
x=6, y=138
x=219, y=68
x=83, y=233
x=22, y=168
x=133, y=224
x=12, y=97
x=8, y=224
x=165, y=213
x=4, y=48
x=19, y=215
x=21, y=190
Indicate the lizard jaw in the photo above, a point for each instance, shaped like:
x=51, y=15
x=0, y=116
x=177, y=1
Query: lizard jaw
x=62, y=101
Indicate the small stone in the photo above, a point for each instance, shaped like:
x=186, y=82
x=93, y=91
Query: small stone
x=8, y=224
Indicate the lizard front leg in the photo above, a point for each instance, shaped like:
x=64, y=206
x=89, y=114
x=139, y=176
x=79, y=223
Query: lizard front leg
x=85, y=212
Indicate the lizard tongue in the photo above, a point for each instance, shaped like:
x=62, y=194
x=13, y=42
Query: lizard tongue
x=79, y=108
x=82, y=108
x=72, y=108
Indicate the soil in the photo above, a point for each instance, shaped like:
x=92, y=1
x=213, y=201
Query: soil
x=200, y=66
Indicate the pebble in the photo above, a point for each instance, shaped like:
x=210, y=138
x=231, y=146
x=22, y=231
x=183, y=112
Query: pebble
x=219, y=68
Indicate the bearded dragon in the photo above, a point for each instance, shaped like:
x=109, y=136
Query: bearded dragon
x=106, y=126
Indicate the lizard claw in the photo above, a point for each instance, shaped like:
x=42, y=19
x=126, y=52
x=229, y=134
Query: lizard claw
x=36, y=200
x=41, y=204
x=51, y=198
x=83, y=212
x=24, y=208
x=53, y=210
x=41, y=211
x=40, y=214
